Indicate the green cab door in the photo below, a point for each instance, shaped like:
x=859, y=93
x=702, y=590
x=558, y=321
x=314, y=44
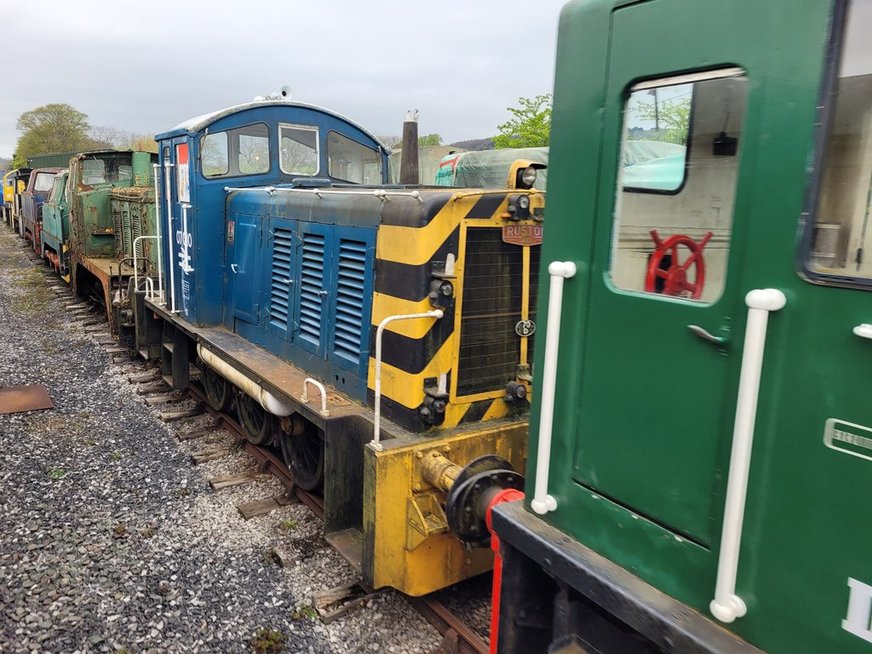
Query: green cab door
x=664, y=293
x=654, y=376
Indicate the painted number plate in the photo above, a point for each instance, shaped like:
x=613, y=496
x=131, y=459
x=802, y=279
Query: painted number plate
x=849, y=438
x=524, y=235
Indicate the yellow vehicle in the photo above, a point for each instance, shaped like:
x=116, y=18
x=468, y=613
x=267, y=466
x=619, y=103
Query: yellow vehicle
x=14, y=184
x=8, y=195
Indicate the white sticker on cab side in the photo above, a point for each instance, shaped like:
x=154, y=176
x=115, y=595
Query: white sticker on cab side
x=848, y=438
x=859, y=618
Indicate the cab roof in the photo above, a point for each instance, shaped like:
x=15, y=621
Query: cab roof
x=199, y=123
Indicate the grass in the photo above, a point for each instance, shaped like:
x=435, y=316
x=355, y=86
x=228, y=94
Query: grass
x=116, y=455
x=305, y=612
x=267, y=641
x=147, y=532
x=56, y=473
x=288, y=524
x=119, y=530
x=35, y=300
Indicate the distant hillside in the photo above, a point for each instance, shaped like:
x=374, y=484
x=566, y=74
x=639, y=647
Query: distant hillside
x=475, y=144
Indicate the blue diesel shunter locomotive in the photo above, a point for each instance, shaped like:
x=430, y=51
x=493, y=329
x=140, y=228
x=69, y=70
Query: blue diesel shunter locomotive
x=380, y=336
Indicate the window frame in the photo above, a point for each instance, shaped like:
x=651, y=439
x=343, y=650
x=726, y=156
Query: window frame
x=378, y=154
x=650, y=84
x=824, y=117
x=311, y=128
x=716, y=73
x=233, y=151
x=39, y=177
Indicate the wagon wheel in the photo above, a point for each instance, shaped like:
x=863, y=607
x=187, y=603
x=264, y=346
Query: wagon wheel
x=669, y=272
x=304, y=455
x=217, y=389
x=258, y=425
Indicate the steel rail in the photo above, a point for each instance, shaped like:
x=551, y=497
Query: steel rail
x=458, y=638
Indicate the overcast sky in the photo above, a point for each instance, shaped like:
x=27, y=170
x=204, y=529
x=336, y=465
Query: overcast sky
x=147, y=67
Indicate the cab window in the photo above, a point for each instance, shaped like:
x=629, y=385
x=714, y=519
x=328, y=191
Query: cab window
x=676, y=185
x=43, y=182
x=235, y=152
x=838, y=243
x=353, y=162
x=298, y=145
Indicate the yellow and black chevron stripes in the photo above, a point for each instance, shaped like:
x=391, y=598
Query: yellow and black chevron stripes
x=415, y=239
x=413, y=246
x=407, y=387
x=455, y=414
x=411, y=281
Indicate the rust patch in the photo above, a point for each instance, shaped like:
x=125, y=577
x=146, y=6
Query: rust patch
x=17, y=399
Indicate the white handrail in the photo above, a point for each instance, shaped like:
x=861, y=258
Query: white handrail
x=155, y=168
x=726, y=605
x=376, y=428
x=171, y=260
x=136, y=261
x=559, y=271
x=304, y=398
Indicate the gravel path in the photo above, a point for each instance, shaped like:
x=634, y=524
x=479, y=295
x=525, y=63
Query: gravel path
x=111, y=541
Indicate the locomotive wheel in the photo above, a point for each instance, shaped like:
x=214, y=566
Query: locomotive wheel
x=304, y=455
x=258, y=425
x=217, y=389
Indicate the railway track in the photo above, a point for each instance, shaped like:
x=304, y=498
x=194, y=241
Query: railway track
x=457, y=636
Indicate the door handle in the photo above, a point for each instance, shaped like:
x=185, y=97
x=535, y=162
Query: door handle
x=707, y=335
x=864, y=330
x=233, y=267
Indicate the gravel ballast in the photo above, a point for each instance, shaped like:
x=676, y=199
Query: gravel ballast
x=112, y=541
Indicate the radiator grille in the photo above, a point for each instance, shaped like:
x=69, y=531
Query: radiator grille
x=492, y=285
x=280, y=281
x=350, y=282
x=311, y=287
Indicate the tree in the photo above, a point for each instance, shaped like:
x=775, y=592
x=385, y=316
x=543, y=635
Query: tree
x=530, y=125
x=122, y=139
x=49, y=129
x=429, y=139
x=391, y=142
x=671, y=120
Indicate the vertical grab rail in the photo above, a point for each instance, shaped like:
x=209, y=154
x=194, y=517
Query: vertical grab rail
x=559, y=271
x=726, y=605
x=157, y=199
x=375, y=443
x=171, y=263
x=136, y=262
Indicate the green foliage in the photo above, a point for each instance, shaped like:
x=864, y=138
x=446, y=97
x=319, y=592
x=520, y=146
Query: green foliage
x=429, y=139
x=671, y=119
x=289, y=524
x=49, y=129
x=305, y=612
x=267, y=641
x=57, y=473
x=121, y=139
x=530, y=125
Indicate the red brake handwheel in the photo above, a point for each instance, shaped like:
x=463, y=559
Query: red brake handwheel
x=672, y=275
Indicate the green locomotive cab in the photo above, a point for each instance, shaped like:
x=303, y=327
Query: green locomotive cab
x=55, y=232
x=701, y=435
x=112, y=223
